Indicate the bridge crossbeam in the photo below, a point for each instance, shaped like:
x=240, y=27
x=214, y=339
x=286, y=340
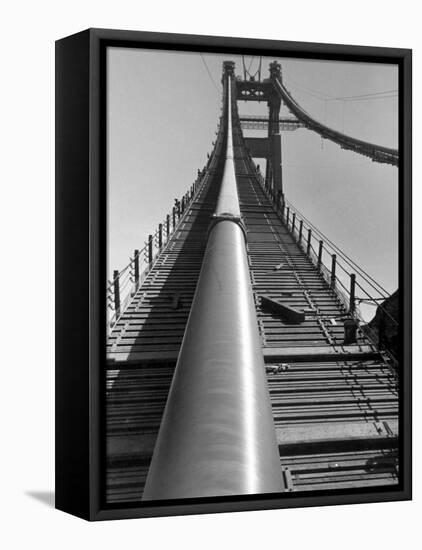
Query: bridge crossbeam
x=262, y=123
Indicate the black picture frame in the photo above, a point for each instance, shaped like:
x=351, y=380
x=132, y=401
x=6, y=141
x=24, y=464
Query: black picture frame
x=80, y=269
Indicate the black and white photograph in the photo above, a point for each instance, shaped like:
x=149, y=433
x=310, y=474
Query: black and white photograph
x=209, y=241
x=253, y=289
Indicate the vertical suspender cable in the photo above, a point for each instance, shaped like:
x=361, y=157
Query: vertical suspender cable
x=217, y=435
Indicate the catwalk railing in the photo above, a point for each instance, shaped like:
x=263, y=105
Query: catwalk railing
x=377, y=153
x=125, y=283
x=219, y=380
x=350, y=282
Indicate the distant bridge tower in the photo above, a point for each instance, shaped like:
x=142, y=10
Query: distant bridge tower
x=268, y=148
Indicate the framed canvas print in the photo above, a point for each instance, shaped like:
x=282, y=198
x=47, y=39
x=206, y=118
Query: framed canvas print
x=233, y=274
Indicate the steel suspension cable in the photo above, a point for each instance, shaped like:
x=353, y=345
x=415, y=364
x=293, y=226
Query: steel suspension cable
x=209, y=73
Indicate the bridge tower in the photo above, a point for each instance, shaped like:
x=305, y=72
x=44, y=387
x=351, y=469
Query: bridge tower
x=321, y=391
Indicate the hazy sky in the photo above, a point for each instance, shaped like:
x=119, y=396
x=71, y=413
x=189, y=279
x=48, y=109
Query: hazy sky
x=163, y=109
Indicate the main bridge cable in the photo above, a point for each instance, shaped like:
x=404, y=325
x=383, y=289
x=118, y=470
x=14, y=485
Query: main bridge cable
x=217, y=434
x=378, y=153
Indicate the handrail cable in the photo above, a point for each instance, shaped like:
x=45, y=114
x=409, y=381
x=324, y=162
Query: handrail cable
x=350, y=262
x=379, y=306
x=260, y=179
x=370, y=298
